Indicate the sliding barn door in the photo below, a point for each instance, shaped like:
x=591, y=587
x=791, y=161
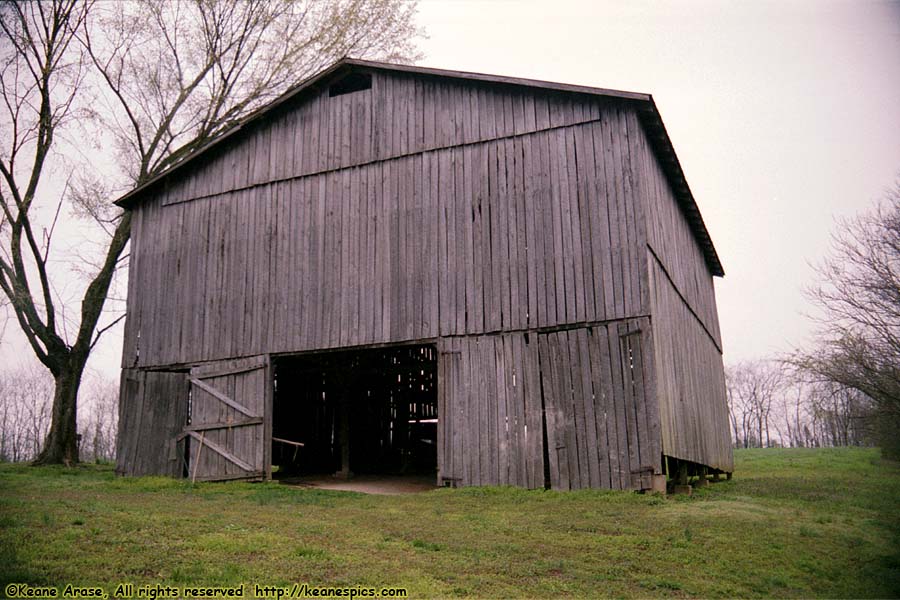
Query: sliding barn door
x=489, y=411
x=229, y=431
x=600, y=411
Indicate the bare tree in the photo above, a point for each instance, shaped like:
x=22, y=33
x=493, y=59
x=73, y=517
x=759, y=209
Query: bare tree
x=858, y=346
x=40, y=76
x=792, y=413
x=773, y=403
x=752, y=388
x=841, y=415
x=26, y=397
x=737, y=410
x=162, y=79
x=99, y=425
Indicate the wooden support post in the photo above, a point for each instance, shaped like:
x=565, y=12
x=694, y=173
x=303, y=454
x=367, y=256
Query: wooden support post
x=682, y=474
x=197, y=459
x=702, y=480
x=344, y=410
x=716, y=477
x=681, y=480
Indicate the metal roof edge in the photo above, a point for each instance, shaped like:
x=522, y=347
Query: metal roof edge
x=502, y=79
x=665, y=153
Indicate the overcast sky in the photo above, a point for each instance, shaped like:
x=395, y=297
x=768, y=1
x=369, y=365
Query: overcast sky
x=784, y=116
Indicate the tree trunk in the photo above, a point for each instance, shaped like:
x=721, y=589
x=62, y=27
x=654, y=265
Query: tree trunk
x=61, y=445
x=736, y=442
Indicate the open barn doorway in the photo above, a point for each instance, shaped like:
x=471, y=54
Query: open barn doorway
x=356, y=413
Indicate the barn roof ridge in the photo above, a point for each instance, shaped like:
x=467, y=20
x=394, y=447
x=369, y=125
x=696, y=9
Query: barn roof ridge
x=646, y=106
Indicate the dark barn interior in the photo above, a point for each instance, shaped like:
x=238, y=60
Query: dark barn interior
x=370, y=411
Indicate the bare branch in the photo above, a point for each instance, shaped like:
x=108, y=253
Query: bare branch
x=104, y=329
x=858, y=343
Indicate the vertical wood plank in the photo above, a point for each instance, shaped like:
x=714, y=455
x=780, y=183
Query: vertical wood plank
x=568, y=422
x=446, y=245
x=575, y=230
x=502, y=235
x=607, y=385
x=433, y=246
x=614, y=291
x=619, y=402
x=549, y=387
x=589, y=219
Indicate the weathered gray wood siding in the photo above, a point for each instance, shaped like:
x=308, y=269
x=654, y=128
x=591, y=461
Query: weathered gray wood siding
x=597, y=389
x=690, y=379
x=489, y=407
x=602, y=425
x=530, y=222
x=401, y=114
x=510, y=225
x=152, y=412
x=671, y=241
x=238, y=427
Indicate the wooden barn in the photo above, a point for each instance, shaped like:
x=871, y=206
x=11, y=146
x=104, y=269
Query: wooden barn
x=395, y=269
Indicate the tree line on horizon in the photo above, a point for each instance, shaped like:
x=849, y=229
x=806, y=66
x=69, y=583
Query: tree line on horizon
x=26, y=401
x=773, y=405
x=844, y=389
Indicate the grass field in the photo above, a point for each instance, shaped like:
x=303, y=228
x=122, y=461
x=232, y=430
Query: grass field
x=792, y=523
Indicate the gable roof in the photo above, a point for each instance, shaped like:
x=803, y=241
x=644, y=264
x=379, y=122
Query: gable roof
x=646, y=108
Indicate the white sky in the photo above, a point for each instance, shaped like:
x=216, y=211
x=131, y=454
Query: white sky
x=784, y=116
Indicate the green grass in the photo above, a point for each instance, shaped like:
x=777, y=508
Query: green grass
x=792, y=523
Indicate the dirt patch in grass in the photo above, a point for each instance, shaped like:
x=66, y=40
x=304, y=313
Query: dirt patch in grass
x=382, y=485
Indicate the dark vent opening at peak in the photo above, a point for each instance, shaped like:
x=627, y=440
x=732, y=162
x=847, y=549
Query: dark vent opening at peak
x=354, y=82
